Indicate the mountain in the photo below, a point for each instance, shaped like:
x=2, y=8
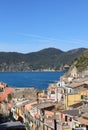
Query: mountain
x=79, y=65
x=46, y=59
x=81, y=62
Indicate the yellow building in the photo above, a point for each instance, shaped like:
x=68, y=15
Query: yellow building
x=73, y=98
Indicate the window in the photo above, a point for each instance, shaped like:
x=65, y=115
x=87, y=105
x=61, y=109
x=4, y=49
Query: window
x=65, y=118
x=81, y=96
x=70, y=119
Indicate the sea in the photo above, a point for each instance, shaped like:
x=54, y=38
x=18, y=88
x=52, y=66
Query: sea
x=39, y=80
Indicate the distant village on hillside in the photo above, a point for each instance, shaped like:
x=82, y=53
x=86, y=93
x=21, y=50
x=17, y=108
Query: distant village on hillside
x=63, y=106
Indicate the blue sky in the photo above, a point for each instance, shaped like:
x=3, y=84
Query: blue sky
x=32, y=25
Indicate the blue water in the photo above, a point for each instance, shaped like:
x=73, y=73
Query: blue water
x=39, y=80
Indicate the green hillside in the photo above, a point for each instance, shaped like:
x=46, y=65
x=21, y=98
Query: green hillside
x=46, y=59
x=82, y=62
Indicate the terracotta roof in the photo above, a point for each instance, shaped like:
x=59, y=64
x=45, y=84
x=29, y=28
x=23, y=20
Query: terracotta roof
x=4, y=94
x=8, y=90
x=83, y=121
x=48, y=112
x=2, y=97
